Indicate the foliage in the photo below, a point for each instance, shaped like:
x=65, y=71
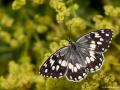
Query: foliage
x=31, y=30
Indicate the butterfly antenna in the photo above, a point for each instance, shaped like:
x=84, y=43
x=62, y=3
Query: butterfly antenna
x=69, y=34
x=69, y=38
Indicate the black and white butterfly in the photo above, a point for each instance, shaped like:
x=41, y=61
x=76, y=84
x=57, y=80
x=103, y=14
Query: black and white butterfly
x=79, y=58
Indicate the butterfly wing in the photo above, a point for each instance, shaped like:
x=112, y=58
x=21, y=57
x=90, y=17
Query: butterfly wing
x=76, y=70
x=77, y=75
x=56, y=65
x=94, y=63
x=98, y=41
x=93, y=45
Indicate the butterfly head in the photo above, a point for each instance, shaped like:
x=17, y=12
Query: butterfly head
x=73, y=45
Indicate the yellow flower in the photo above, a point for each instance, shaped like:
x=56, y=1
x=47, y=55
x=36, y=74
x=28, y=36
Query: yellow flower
x=17, y=4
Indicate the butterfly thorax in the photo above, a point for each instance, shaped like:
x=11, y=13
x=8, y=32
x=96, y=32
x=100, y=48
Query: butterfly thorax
x=73, y=45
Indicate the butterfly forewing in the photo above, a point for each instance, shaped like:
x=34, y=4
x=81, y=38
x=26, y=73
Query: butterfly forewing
x=100, y=40
x=55, y=65
x=95, y=44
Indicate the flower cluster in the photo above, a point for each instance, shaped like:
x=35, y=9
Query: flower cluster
x=32, y=30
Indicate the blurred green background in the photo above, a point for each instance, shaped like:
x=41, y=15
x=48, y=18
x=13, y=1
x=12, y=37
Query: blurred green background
x=31, y=30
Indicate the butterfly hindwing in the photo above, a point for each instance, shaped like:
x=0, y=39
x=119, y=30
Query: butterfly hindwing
x=94, y=61
x=76, y=69
x=76, y=74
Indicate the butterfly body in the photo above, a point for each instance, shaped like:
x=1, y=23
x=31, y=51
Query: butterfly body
x=73, y=45
x=79, y=58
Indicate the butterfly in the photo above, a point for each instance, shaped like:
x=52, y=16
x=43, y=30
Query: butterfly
x=79, y=58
